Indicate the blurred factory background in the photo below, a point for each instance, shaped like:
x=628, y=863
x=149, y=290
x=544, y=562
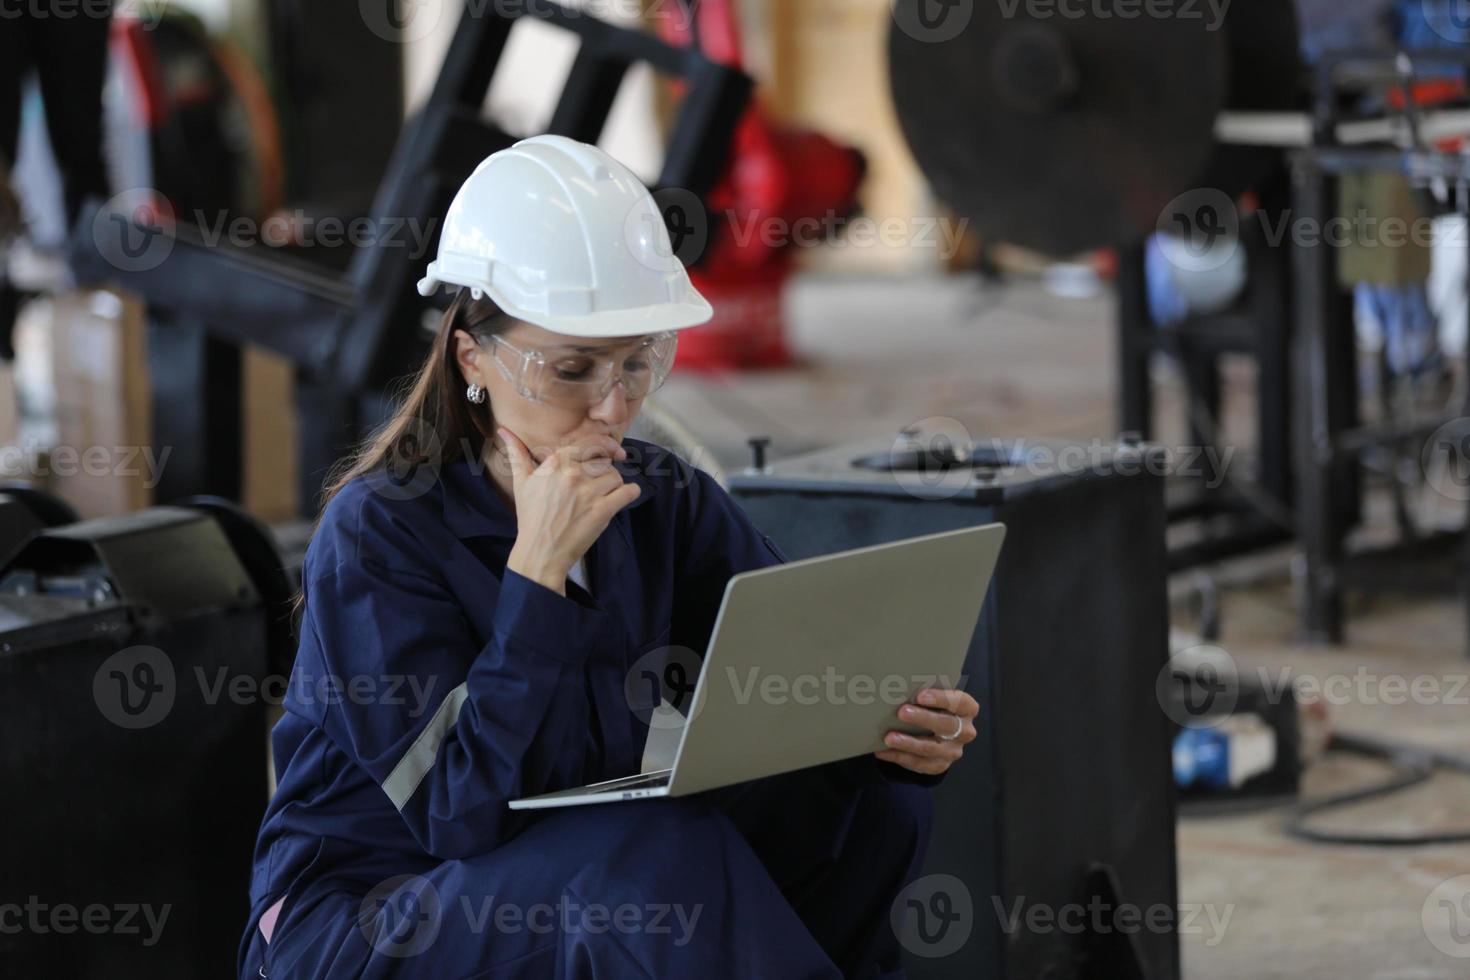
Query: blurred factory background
x=1175, y=289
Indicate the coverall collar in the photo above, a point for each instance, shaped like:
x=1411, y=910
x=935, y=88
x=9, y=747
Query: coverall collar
x=473, y=508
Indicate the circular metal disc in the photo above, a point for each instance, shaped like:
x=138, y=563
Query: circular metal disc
x=1124, y=121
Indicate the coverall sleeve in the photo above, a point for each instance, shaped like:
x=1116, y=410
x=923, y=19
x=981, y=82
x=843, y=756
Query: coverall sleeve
x=472, y=726
x=718, y=540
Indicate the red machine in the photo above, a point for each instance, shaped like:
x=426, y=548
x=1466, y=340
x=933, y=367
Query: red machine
x=777, y=177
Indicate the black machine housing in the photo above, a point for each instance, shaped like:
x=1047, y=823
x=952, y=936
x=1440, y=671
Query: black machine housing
x=133, y=666
x=1066, y=797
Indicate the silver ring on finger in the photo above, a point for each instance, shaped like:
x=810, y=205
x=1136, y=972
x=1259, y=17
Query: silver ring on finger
x=959, y=729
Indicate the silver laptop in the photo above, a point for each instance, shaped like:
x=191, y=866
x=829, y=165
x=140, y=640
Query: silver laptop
x=810, y=660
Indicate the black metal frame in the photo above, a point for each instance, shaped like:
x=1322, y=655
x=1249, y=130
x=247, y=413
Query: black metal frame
x=1228, y=523
x=351, y=334
x=1311, y=433
x=1330, y=440
x=1327, y=445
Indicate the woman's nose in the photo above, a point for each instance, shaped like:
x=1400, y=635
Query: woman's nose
x=614, y=405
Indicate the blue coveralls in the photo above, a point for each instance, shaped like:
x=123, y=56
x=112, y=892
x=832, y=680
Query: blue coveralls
x=432, y=685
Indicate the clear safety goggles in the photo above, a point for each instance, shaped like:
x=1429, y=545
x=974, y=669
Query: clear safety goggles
x=580, y=378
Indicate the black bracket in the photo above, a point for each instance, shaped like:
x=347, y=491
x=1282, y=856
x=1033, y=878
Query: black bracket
x=361, y=329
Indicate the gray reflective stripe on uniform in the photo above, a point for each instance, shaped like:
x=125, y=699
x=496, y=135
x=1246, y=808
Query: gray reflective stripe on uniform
x=419, y=759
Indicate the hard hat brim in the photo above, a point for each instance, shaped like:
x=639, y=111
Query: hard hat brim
x=635, y=322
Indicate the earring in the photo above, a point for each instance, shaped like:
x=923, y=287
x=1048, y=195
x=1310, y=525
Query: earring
x=475, y=394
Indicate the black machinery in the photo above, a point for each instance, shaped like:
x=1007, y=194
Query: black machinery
x=26, y=510
x=1096, y=129
x=353, y=333
x=1065, y=801
x=136, y=655
x=1066, y=132
x=1082, y=132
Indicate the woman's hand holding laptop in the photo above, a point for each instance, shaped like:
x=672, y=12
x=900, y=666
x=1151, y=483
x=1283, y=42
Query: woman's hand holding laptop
x=950, y=715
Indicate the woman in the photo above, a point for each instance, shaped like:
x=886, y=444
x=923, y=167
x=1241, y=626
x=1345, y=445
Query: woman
x=482, y=579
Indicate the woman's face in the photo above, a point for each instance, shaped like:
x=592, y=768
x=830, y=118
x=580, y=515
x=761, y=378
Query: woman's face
x=547, y=426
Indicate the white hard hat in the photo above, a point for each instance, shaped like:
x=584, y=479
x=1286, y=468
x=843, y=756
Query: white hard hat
x=559, y=234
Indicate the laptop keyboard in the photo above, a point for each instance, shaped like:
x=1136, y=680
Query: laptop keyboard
x=634, y=782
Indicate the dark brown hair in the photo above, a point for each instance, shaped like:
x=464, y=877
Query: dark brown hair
x=431, y=402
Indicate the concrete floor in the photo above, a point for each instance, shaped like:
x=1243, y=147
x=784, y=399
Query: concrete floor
x=1015, y=361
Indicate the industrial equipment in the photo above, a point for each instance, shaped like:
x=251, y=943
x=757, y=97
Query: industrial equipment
x=778, y=176
x=135, y=675
x=26, y=510
x=1098, y=129
x=1066, y=797
x=1069, y=132
x=353, y=333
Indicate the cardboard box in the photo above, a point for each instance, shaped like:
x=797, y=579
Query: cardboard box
x=103, y=461
x=101, y=457
x=9, y=406
x=270, y=450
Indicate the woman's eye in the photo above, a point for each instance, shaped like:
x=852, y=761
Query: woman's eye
x=573, y=370
x=636, y=364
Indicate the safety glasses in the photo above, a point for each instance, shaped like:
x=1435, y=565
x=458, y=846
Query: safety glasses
x=575, y=377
